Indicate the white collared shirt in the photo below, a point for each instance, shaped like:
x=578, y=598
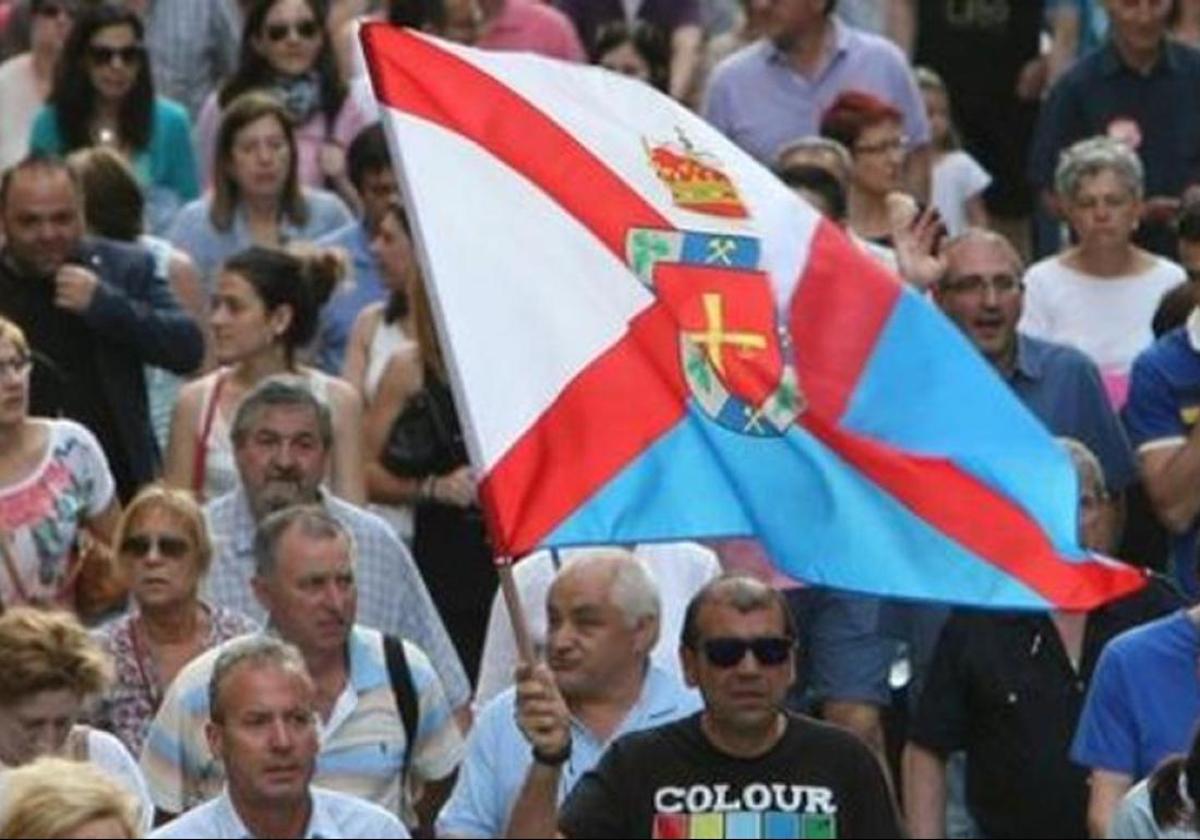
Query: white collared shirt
x=333, y=815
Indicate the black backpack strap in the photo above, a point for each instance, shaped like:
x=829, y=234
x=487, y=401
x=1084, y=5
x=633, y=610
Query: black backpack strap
x=406, y=695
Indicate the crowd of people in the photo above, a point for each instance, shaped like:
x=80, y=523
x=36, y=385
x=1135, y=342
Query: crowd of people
x=246, y=587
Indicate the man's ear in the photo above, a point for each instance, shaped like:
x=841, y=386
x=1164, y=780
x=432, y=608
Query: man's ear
x=212, y=734
x=262, y=592
x=688, y=659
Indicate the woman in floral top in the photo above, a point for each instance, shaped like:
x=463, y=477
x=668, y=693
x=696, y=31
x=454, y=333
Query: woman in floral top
x=55, y=484
x=164, y=547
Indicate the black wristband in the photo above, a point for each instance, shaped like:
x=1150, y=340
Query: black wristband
x=553, y=759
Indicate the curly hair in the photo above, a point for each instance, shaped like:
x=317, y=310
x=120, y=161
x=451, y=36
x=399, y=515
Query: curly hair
x=48, y=650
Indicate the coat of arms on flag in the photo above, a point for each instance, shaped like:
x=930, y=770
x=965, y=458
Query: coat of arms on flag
x=732, y=349
x=651, y=338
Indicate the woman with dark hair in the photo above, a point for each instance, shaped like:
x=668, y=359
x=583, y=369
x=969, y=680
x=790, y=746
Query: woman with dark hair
x=417, y=457
x=1164, y=803
x=873, y=132
x=104, y=95
x=382, y=331
x=264, y=310
x=256, y=196
x=286, y=52
x=639, y=50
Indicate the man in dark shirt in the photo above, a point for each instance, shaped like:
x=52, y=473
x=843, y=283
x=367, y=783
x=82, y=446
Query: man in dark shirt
x=1008, y=689
x=741, y=767
x=1136, y=87
x=94, y=313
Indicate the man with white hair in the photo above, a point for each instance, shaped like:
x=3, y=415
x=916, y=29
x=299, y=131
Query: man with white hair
x=597, y=680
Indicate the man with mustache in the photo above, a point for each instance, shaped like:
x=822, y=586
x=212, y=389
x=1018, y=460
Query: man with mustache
x=306, y=579
x=263, y=726
x=282, y=436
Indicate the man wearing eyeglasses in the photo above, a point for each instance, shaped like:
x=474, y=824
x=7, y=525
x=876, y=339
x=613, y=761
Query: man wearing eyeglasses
x=741, y=767
x=530, y=744
x=981, y=291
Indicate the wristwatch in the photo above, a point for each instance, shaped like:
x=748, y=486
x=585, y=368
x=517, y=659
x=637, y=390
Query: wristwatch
x=553, y=759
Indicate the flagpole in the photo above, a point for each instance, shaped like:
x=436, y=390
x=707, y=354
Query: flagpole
x=516, y=613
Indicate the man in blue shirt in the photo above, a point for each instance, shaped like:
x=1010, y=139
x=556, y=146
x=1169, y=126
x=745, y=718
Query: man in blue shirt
x=981, y=292
x=597, y=683
x=263, y=728
x=370, y=170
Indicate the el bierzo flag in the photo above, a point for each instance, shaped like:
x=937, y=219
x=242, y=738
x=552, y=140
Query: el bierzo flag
x=651, y=338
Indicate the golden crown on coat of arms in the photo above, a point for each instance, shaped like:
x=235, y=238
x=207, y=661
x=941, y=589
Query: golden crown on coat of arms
x=694, y=184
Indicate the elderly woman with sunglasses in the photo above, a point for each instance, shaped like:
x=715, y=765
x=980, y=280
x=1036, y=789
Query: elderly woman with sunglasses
x=56, y=489
x=164, y=548
x=104, y=95
x=286, y=51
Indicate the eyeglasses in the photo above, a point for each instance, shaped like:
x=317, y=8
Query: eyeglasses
x=305, y=29
x=728, y=652
x=976, y=284
x=167, y=546
x=103, y=56
x=896, y=144
x=51, y=9
x=16, y=366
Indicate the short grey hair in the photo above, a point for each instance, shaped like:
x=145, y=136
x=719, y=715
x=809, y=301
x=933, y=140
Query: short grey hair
x=814, y=143
x=1095, y=155
x=281, y=390
x=983, y=236
x=632, y=590
x=260, y=650
x=1087, y=465
x=312, y=520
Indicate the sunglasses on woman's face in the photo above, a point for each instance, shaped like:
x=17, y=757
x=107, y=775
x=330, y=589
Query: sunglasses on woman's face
x=168, y=546
x=305, y=29
x=103, y=56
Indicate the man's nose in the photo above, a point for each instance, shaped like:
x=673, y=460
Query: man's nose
x=281, y=736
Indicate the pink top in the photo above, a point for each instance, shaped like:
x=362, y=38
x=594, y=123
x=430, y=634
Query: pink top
x=528, y=26
x=309, y=138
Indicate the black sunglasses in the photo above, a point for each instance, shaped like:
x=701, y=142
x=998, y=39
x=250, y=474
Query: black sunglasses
x=306, y=29
x=128, y=56
x=168, y=546
x=727, y=652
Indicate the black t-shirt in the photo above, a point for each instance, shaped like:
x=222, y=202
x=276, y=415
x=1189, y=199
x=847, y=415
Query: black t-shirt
x=818, y=781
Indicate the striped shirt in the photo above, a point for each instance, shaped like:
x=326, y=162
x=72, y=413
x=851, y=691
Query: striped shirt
x=362, y=743
x=392, y=597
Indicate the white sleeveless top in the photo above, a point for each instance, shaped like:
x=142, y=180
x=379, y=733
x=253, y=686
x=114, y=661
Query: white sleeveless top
x=386, y=341
x=220, y=469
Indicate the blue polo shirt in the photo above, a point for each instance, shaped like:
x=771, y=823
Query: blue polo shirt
x=498, y=756
x=1144, y=698
x=350, y=298
x=1102, y=95
x=1062, y=387
x=1164, y=403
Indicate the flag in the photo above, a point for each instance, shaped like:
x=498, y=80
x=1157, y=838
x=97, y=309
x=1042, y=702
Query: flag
x=651, y=338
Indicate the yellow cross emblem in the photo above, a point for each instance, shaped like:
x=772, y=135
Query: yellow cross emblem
x=714, y=337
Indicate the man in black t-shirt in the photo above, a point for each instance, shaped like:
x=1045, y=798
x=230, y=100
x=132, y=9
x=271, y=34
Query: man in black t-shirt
x=742, y=767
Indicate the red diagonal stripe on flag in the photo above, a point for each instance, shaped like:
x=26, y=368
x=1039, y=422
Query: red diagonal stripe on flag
x=415, y=76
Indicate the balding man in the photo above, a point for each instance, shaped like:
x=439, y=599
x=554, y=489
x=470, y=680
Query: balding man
x=981, y=291
x=597, y=683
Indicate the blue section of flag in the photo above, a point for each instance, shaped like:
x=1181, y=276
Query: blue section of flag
x=720, y=250
x=966, y=412
x=820, y=520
